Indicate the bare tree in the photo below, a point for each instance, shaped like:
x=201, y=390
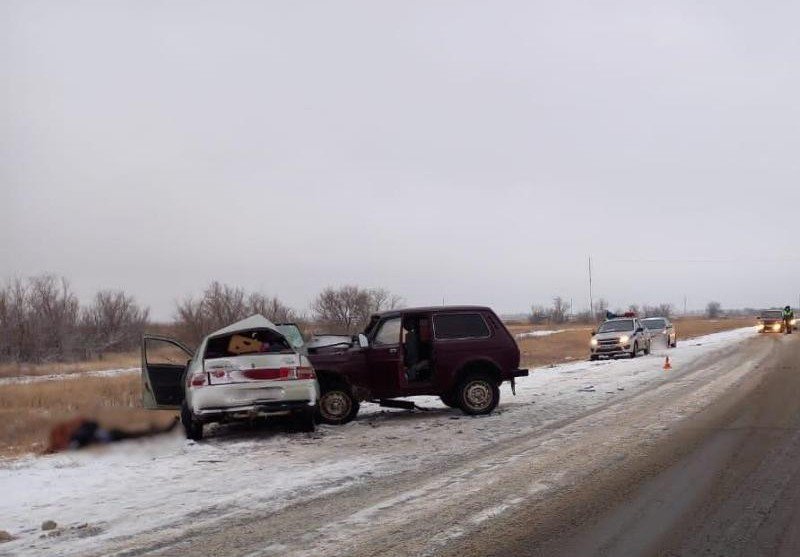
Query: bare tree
x=559, y=311
x=271, y=308
x=383, y=300
x=38, y=319
x=114, y=322
x=221, y=305
x=54, y=313
x=347, y=309
x=600, y=309
x=713, y=310
x=539, y=314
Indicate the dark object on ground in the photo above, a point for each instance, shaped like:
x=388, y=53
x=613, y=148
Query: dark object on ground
x=82, y=432
x=49, y=525
x=5, y=536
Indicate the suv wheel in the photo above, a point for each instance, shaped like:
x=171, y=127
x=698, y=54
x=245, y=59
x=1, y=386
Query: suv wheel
x=337, y=405
x=193, y=428
x=647, y=350
x=478, y=394
x=450, y=399
x=635, y=351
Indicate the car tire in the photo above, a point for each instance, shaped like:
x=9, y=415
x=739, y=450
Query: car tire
x=450, y=400
x=337, y=405
x=478, y=394
x=647, y=350
x=635, y=351
x=593, y=358
x=193, y=428
x=304, y=421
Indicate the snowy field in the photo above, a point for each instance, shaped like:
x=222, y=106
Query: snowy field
x=102, y=496
x=24, y=379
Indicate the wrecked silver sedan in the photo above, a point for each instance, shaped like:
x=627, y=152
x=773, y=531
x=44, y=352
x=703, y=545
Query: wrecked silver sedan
x=243, y=371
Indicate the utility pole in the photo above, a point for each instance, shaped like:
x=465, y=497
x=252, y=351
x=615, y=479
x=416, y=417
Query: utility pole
x=591, y=298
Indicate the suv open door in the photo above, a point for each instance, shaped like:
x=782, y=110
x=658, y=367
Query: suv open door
x=164, y=362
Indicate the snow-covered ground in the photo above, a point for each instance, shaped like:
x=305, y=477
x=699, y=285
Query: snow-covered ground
x=19, y=379
x=102, y=496
x=530, y=334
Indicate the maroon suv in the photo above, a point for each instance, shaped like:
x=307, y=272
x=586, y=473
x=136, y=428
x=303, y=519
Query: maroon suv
x=460, y=353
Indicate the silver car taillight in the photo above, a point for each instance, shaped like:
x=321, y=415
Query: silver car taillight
x=198, y=379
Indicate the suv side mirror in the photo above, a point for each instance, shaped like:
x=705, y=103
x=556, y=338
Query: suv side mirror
x=640, y=330
x=362, y=341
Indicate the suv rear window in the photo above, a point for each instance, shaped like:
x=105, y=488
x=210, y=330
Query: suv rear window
x=459, y=325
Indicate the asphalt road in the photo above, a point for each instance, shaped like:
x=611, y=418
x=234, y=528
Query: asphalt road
x=724, y=483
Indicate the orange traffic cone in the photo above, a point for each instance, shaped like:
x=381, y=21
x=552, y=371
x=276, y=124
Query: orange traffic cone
x=667, y=365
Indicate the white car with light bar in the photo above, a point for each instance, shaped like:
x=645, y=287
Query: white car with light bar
x=619, y=337
x=247, y=370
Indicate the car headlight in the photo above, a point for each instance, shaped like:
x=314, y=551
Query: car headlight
x=593, y=342
x=793, y=321
x=624, y=339
x=776, y=327
x=760, y=326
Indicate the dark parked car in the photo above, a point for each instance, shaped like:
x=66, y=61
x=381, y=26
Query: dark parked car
x=462, y=354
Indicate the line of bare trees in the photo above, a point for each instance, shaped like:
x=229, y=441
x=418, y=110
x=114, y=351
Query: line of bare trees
x=41, y=320
x=343, y=309
x=560, y=312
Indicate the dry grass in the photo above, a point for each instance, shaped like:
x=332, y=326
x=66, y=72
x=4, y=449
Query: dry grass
x=695, y=327
x=110, y=361
x=28, y=411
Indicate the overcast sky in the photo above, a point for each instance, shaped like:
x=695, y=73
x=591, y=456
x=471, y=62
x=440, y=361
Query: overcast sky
x=476, y=152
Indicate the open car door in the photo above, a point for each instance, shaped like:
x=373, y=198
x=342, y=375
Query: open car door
x=164, y=362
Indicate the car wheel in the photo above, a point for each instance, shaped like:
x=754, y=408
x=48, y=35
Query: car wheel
x=635, y=351
x=337, y=405
x=593, y=357
x=193, y=428
x=647, y=350
x=304, y=421
x=478, y=394
x=450, y=399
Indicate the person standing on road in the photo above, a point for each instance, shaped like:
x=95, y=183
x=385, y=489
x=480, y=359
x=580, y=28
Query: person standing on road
x=788, y=317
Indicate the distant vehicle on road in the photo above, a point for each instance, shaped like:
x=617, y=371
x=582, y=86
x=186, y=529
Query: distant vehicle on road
x=620, y=337
x=460, y=353
x=246, y=370
x=661, y=328
x=771, y=321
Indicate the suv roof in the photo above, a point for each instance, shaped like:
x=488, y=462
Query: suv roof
x=430, y=309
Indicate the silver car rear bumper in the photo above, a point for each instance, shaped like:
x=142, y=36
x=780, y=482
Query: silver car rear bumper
x=255, y=398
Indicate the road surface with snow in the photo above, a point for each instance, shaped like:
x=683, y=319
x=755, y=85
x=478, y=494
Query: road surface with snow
x=392, y=482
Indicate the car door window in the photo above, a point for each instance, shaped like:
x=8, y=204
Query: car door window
x=451, y=326
x=389, y=333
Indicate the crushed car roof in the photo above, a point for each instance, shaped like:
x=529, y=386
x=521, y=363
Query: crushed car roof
x=256, y=321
